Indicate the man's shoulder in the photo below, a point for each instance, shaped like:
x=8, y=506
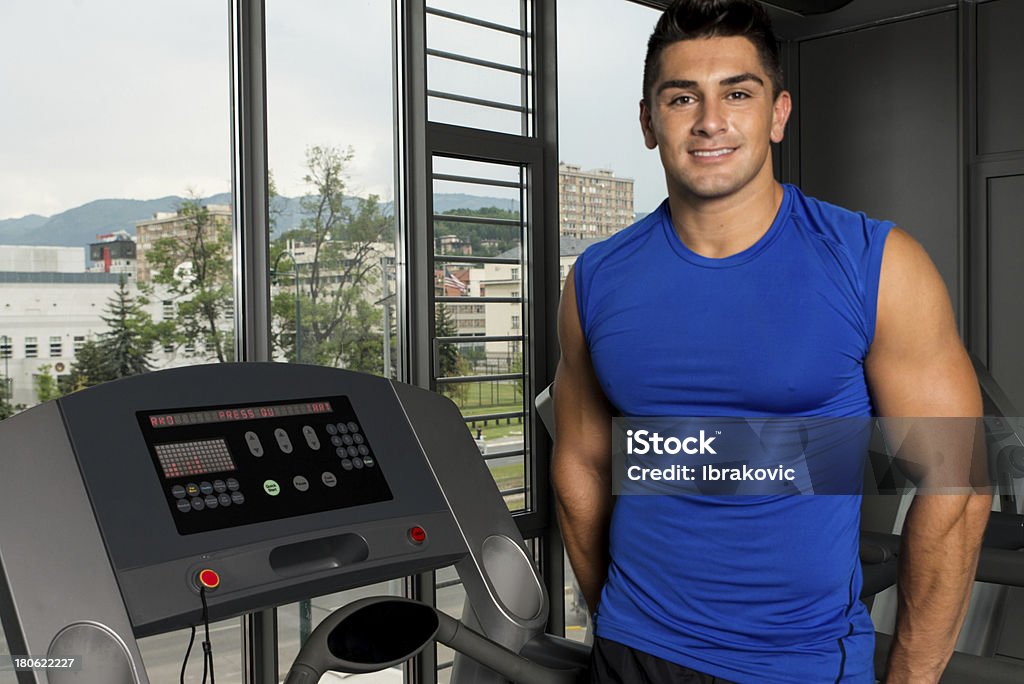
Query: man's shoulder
x=624, y=242
x=834, y=223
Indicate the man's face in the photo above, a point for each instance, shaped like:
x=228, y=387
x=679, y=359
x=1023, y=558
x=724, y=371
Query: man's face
x=712, y=115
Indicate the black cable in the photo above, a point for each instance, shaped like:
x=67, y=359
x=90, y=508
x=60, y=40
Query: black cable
x=188, y=651
x=207, y=646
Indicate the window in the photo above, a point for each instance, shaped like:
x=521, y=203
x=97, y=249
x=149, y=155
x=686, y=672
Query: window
x=56, y=346
x=168, y=309
x=5, y=347
x=31, y=347
x=79, y=342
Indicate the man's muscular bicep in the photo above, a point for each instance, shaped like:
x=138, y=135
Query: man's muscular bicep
x=917, y=365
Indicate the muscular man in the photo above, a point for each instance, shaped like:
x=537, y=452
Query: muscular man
x=743, y=297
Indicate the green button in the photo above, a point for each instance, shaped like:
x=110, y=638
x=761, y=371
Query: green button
x=271, y=488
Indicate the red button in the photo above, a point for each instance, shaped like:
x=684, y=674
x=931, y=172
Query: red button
x=209, y=579
x=417, y=534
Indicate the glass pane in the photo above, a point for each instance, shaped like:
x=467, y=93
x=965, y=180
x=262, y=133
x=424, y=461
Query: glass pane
x=116, y=198
x=481, y=310
x=296, y=621
x=163, y=654
x=504, y=13
x=598, y=183
x=479, y=73
x=332, y=159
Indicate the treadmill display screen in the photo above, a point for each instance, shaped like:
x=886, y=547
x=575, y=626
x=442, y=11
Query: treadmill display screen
x=194, y=458
x=234, y=413
x=223, y=466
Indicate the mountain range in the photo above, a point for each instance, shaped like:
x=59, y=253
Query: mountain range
x=79, y=226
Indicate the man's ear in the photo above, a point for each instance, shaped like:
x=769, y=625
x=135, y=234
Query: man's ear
x=650, y=140
x=781, y=109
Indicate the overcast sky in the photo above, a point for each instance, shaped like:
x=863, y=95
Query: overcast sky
x=129, y=99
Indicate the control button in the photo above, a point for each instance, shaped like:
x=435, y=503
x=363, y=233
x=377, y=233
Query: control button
x=232, y=484
x=206, y=487
x=358, y=439
x=178, y=491
x=311, y=439
x=192, y=489
x=341, y=451
x=219, y=486
x=301, y=483
x=363, y=450
x=352, y=451
x=417, y=535
x=211, y=501
x=328, y=478
x=368, y=461
x=255, y=447
x=224, y=499
x=184, y=506
x=358, y=463
x=208, y=578
x=336, y=440
x=283, y=440
x=332, y=429
x=237, y=498
x=198, y=504
x=347, y=439
x=342, y=428
x=271, y=488
x=353, y=427
x=346, y=464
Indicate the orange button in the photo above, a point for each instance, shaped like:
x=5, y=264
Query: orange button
x=417, y=534
x=209, y=579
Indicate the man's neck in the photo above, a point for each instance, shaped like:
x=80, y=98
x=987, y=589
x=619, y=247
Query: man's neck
x=724, y=226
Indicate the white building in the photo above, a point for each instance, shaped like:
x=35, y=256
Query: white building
x=38, y=259
x=44, y=319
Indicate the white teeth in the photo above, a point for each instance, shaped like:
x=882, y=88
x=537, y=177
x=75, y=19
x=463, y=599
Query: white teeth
x=714, y=153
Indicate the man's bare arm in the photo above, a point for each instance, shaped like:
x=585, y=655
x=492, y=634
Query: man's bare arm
x=917, y=367
x=581, y=463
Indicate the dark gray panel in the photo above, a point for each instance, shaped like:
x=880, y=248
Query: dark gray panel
x=792, y=26
x=878, y=117
x=1006, y=283
x=1000, y=92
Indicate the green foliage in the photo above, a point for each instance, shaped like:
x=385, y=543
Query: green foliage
x=337, y=325
x=195, y=268
x=450, y=362
x=7, y=409
x=45, y=384
x=130, y=335
x=123, y=350
x=90, y=367
x=507, y=237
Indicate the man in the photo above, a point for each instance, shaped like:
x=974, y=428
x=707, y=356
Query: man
x=742, y=297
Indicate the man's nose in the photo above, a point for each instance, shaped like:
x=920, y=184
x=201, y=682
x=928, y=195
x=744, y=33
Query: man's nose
x=711, y=118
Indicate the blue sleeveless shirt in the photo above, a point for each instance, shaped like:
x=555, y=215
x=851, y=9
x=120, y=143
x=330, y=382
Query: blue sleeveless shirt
x=752, y=589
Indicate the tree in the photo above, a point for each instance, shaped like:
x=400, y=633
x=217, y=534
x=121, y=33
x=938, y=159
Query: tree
x=450, y=362
x=130, y=335
x=341, y=238
x=194, y=265
x=90, y=367
x=45, y=384
x=123, y=350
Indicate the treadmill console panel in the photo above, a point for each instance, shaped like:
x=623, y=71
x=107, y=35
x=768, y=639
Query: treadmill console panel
x=229, y=465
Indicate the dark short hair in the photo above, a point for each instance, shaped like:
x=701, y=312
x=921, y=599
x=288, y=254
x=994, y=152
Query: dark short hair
x=692, y=19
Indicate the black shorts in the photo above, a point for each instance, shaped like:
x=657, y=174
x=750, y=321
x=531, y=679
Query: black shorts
x=614, y=663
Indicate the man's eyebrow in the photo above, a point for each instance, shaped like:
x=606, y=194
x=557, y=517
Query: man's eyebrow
x=730, y=81
x=740, y=78
x=676, y=84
